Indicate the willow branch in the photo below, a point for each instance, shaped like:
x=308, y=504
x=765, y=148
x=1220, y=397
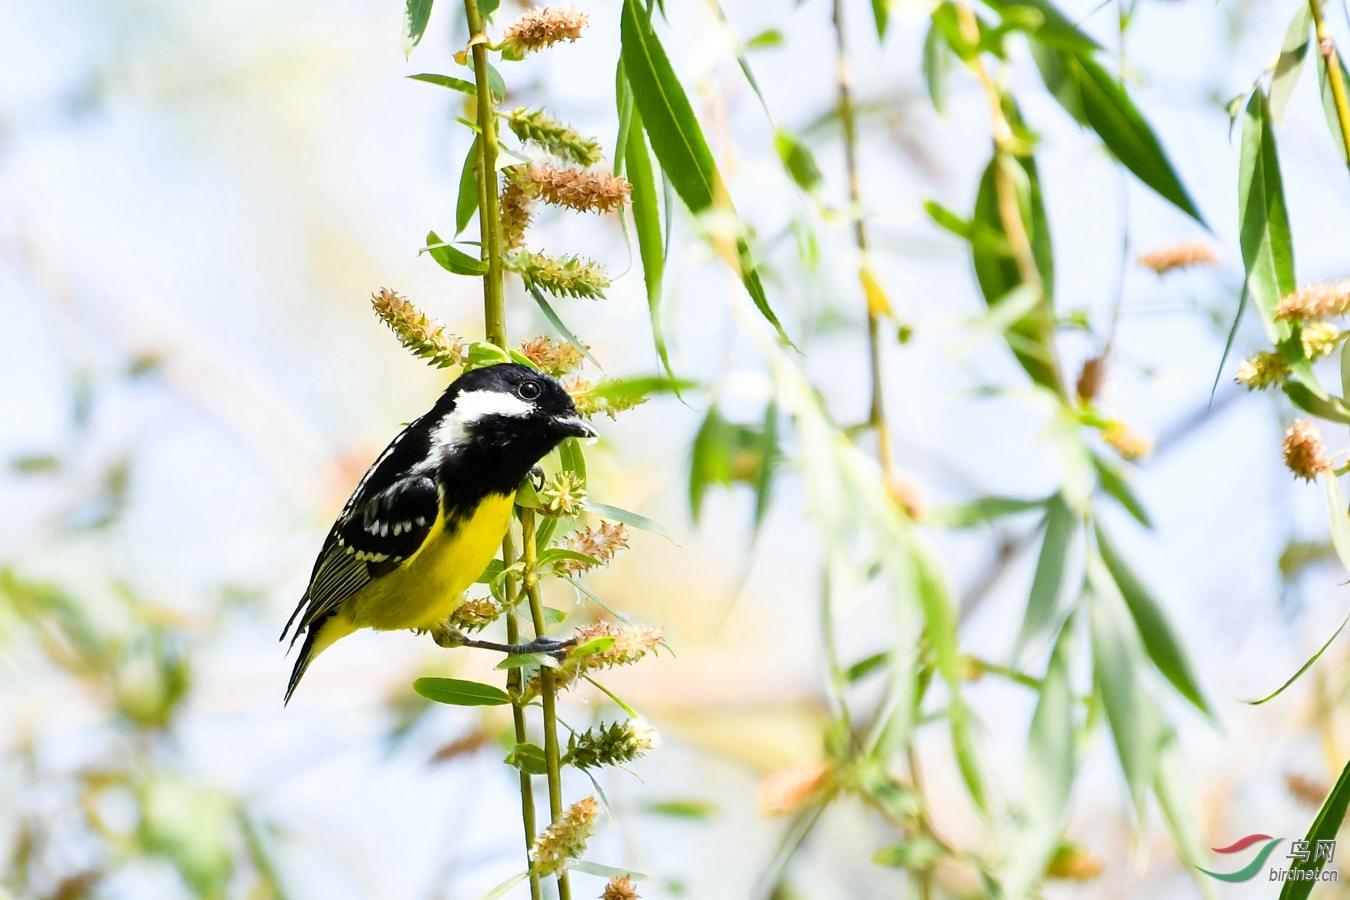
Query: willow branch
x=876, y=418
x=1327, y=49
x=515, y=687
x=489, y=215
x=548, y=689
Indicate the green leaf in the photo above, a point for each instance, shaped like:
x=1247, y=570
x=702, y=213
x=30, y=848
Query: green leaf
x=547, y=309
x=1303, y=668
x=582, y=589
x=467, y=203
x=881, y=15
x=1031, y=338
x=554, y=616
x=1112, y=480
x=1047, y=776
x=864, y=667
x=554, y=554
x=1175, y=788
x=1159, y=638
x=1316, y=401
x=682, y=809
x=768, y=455
x=524, y=660
x=451, y=259
x=1061, y=524
x=937, y=66
x=592, y=868
x=1324, y=828
x=710, y=461
x=967, y=759
x=798, y=160
x=646, y=207
x=1290, y=64
x=635, y=389
x=572, y=459
x=592, y=647
x=448, y=81
x=677, y=140
x=415, y=17
x=481, y=354
x=1117, y=661
x=949, y=220
x=765, y=39
x=528, y=758
x=631, y=519
x=1267, y=248
x=918, y=853
x=493, y=569
x=1345, y=369
x=1093, y=96
x=1338, y=518
x=460, y=693
x=504, y=888
x=1329, y=103
x=981, y=511
x=1046, y=23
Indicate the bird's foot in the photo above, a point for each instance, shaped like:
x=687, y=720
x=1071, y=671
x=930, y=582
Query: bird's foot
x=448, y=637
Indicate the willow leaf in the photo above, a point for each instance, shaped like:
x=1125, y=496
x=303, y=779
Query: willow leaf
x=1047, y=776
x=1160, y=639
x=647, y=219
x=415, y=17
x=1324, y=828
x=1092, y=95
x=677, y=139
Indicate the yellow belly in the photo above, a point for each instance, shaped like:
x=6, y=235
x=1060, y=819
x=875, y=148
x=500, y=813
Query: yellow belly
x=430, y=585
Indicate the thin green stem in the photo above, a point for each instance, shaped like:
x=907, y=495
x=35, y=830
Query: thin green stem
x=1330, y=59
x=548, y=689
x=515, y=689
x=489, y=215
x=494, y=327
x=876, y=417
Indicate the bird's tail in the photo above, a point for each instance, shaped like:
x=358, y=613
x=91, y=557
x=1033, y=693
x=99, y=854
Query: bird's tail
x=307, y=654
x=318, y=637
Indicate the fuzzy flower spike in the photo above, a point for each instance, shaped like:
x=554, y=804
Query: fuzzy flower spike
x=1316, y=302
x=1304, y=452
x=565, y=839
x=543, y=27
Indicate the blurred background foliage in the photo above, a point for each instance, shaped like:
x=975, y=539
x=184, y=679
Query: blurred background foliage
x=198, y=201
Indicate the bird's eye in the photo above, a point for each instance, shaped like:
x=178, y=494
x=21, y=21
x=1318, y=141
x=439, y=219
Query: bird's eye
x=528, y=390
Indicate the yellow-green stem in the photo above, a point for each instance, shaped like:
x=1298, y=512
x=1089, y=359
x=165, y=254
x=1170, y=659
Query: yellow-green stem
x=494, y=326
x=489, y=214
x=1327, y=50
x=515, y=689
x=876, y=417
x=548, y=690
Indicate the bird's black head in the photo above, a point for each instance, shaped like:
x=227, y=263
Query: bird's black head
x=504, y=419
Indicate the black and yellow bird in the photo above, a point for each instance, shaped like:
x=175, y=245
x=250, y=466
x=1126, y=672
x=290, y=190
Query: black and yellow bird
x=432, y=510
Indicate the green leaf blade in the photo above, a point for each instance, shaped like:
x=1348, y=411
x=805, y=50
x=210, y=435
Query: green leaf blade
x=1061, y=524
x=416, y=15
x=1323, y=828
x=1160, y=639
x=456, y=692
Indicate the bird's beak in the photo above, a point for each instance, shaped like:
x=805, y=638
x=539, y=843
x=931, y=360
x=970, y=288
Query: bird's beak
x=573, y=426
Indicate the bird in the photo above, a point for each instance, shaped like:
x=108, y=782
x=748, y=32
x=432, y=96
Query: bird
x=431, y=511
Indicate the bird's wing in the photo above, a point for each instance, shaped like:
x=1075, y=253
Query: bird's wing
x=371, y=540
x=387, y=519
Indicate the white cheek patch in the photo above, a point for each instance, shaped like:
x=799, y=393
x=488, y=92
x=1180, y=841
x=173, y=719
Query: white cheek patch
x=471, y=408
